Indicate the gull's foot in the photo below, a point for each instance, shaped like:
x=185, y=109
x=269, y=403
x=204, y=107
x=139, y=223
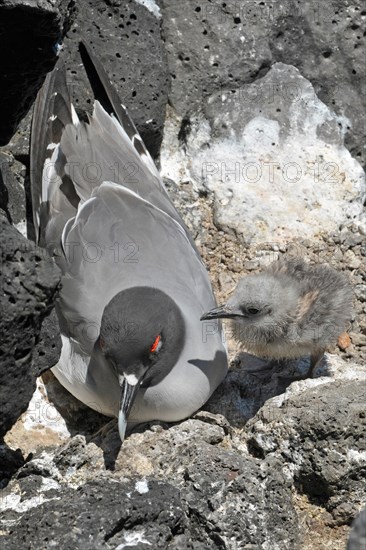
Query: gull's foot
x=264, y=370
x=315, y=362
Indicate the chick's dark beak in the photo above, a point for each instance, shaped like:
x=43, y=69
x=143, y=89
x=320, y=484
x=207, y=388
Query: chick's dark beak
x=129, y=383
x=221, y=312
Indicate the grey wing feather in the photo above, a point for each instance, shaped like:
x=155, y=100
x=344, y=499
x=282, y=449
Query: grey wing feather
x=52, y=113
x=100, y=151
x=77, y=157
x=120, y=110
x=118, y=240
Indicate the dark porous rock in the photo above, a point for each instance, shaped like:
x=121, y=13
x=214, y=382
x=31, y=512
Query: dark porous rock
x=217, y=45
x=101, y=514
x=182, y=487
x=357, y=538
x=29, y=32
x=206, y=51
x=18, y=145
x=10, y=462
x=125, y=36
x=232, y=499
x=48, y=348
x=29, y=280
x=74, y=455
x=321, y=433
x=236, y=501
x=332, y=35
x=12, y=197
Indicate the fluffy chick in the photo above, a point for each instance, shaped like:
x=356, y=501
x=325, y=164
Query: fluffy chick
x=290, y=310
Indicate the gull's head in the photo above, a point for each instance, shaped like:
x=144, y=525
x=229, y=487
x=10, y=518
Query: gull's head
x=141, y=336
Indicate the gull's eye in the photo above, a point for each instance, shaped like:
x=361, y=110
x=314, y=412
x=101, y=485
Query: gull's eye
x=156, y=345
x=253, y=310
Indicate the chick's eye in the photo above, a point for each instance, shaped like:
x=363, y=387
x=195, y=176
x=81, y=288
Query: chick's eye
x=253, y=310
x=156, y=345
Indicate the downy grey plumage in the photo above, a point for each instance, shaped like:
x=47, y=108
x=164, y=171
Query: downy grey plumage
x=290, y=310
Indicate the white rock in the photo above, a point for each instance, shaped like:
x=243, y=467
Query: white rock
x=152, y=6
x=274, y=159
x=142, y=487
x=43, y=414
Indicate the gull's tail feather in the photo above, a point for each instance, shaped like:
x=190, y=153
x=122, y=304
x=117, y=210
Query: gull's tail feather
x=52, y=112
x=108, y=97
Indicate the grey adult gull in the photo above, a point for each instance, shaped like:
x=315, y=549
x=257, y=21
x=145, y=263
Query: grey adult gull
x=290, y=310
x=133, y=283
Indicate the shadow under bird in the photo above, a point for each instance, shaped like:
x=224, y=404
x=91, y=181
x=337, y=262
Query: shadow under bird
x=289, y=310
x=133, y=284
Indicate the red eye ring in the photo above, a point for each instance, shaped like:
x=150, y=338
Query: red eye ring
x=155, y=344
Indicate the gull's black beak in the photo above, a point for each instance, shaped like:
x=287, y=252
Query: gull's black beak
x=129, y=384
x=221, y=312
